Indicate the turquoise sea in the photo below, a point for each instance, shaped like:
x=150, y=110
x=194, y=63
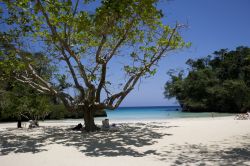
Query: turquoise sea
x=145, y=113
x=156, y=112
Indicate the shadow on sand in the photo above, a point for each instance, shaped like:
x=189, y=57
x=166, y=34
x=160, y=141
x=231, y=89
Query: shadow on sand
x=127, y=142
x=103, y=143
x=218, y=153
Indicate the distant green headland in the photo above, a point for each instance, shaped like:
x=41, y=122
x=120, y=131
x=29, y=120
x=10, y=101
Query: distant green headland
x=217, y=83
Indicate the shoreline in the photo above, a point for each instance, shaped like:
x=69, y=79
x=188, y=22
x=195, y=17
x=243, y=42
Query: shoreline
x=98, y=121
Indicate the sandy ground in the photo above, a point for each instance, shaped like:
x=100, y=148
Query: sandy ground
x=201, y=141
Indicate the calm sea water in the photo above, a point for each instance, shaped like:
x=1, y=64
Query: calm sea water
x=145, y=113
x=166, y=112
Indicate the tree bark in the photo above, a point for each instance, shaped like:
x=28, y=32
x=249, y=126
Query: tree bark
x=19, y=123
x=89, y=122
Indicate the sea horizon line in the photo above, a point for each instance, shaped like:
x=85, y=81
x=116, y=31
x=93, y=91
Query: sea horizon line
x=153, y=106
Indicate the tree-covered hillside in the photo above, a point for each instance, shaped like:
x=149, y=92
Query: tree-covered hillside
x=217, y=83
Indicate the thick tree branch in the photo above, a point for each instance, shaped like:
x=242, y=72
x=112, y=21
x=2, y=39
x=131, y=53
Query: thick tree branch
x=40, y=84
x=72, y=71
x=34, y=85
x=102, y=82
x=67, y=47
x=134, y=78
x=123, y=38
x=100, y=60
x=112, y=53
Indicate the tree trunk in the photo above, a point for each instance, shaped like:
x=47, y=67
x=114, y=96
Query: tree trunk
x=89, y=120
x=19, y=123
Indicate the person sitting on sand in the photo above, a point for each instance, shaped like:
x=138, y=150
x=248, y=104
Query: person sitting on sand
x=248, y=114
x=108, y=127
x=33, y=124
x=105, y=123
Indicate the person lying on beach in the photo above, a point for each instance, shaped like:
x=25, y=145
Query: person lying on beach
x=78, y=127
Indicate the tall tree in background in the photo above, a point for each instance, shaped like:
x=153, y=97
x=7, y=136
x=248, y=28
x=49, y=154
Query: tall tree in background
x=84, y=42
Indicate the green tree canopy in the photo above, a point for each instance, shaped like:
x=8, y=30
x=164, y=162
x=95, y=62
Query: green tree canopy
x=17, y=100
x=215, y=83
x=22, y=102
x=84, y=40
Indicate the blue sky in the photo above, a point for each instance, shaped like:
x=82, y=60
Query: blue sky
x=212, y=25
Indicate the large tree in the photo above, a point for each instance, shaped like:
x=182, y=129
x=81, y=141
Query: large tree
x=83, y=39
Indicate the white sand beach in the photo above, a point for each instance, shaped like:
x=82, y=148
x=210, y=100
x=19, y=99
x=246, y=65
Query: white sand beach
x=200, y=141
